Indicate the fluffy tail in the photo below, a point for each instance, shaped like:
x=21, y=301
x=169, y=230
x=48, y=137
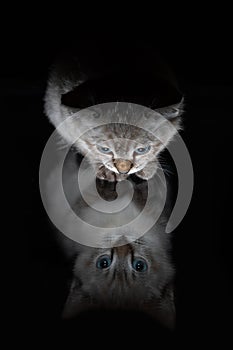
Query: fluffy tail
x=64, y=76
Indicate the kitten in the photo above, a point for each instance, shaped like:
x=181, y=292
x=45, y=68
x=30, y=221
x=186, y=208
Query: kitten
x=116, y=149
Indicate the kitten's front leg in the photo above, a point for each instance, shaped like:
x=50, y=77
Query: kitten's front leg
x=148, y=172
x=105, y=174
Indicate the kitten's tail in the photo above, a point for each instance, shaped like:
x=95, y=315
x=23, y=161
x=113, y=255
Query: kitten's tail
x=64, y=76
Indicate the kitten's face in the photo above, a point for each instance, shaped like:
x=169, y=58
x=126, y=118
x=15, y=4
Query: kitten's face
x=120, y=139
x=120, y=149
x=124, y=156
x=133, y=276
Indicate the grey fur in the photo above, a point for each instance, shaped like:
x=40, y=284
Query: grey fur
x=62, y=80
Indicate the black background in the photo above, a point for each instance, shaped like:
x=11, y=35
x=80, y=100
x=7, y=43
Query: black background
x=200, y=55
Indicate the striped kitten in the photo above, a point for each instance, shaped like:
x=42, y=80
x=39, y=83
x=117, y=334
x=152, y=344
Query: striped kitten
x=116, y=149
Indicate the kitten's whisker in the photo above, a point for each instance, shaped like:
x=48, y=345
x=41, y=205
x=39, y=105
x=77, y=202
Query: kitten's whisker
x=61, y=145
x=166, y=171
x=162, y=179
x=163, y=163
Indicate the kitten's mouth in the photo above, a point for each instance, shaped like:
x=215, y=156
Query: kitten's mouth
x=133, y=169
x=111, y=168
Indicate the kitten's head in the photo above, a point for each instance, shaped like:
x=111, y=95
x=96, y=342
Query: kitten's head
x=135, y=276
x=129, y=141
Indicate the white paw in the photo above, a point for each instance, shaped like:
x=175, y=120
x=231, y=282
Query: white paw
x=106, y=174
x=148, y=172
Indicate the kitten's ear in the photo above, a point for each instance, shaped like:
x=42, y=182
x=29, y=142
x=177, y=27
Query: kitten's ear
x=164, y=311
x=173, y=111
x=166, y=127
x=76, y=302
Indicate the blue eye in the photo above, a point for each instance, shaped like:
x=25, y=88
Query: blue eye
x=103, y=262
x=142, y=150
x=140, y=265
x=104, y=149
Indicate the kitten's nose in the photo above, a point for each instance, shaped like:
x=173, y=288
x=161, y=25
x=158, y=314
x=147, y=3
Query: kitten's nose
x=123, y=166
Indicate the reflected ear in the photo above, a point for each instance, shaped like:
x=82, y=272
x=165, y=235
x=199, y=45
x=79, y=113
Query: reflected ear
x=76, y=301
x=164, y=311
x=173, y=111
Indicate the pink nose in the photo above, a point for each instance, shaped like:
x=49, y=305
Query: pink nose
x=123, y=166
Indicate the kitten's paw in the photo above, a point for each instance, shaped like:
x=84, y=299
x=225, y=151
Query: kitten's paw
x=148, y=172
x=142, y=175
x=106, y=174
x=121, y=177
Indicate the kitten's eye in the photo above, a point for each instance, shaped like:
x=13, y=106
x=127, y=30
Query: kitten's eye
x=104, y=149
x=139, y=265
x=103, y=262
x=142, y=150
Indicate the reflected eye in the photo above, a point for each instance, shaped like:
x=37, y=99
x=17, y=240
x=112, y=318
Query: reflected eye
x=104, y=149
x=103, y=262
x=142, y=150
x=139, y=265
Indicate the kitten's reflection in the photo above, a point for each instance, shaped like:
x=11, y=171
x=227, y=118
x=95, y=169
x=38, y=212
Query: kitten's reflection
x=134, y=273
x=134, y=276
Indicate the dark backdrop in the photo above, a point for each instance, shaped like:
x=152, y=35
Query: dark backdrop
x=202, y=242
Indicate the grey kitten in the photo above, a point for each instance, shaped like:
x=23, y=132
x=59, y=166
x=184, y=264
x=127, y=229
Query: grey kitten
x=118, y=148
